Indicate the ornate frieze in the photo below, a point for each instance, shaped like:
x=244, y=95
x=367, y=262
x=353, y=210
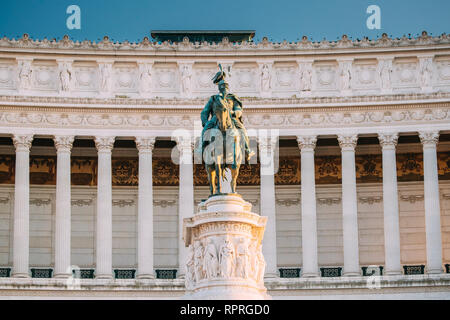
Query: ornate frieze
x=125, y=171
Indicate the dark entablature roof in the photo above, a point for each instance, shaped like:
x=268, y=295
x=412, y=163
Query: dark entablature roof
x=202, y=35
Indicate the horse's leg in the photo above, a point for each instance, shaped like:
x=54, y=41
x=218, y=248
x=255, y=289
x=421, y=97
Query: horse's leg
x=218, y=174
x=211, y=179
x=234, y=175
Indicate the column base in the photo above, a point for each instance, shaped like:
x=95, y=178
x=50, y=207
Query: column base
x=393, y=273
x=352, y=274
x=62, y=275
x=271, y=275
x=104, y=276
x=145, y=276
x=20, y=275
x=311, y=275
x=435, y=271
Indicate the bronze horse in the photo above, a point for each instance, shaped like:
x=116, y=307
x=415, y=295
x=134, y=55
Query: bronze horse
x=226, y=153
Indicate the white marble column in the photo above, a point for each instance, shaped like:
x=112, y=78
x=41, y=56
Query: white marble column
x=349, y=205
x=185, y=197
x=429, y=141
x=145, y=208
x=310, y=266
x=63, y=145
x=267, y=200
x=388, y=142
x=104, y=208
x=21, y=237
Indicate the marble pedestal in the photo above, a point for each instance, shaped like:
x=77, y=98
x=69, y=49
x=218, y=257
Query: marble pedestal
x=225, y=259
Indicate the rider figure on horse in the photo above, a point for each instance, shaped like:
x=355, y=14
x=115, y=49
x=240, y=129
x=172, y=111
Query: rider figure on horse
x=230, y=101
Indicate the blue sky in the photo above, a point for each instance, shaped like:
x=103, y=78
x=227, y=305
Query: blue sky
x=277, y=19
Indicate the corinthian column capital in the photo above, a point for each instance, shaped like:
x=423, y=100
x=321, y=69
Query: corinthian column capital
x=22, y=142
x=145, y=144
x=184, y=144
x=63, y=143
x=104, y=143
x=388, y=139
x=429, y=137
x=347, y=142
x=307, y=142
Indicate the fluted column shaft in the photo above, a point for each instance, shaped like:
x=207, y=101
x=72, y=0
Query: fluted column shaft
x=63, y=146
x=21, y=240
x=308, y=201
x=185, y=197
x=429, y=141
x=104, y=208
x=267, y=200
x=145, y=208
x=388, y=143
x=349, y=205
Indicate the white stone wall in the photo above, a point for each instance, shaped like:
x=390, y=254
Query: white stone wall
x=288, y=224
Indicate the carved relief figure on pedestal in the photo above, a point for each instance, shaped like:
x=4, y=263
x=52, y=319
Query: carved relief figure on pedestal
x=305, y=78
x=25, y=75
x=253, y=259
x=145, y=77
x=226, y=258
x=211, y=262
x=261, y=264
x=186, y=75
x=65, y=77
x=242, y=257
x=385, y=74
x=190, y=268
x=345, y=76
x=426, y=72
x=265, y=78
x=105, y=75
x=198, y=260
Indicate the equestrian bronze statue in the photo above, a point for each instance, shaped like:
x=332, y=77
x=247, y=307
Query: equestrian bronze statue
x=224, y=140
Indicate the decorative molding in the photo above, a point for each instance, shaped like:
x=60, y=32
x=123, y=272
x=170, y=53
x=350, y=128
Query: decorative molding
x=328, y=201
x=412, y=198
x=186, y=46
x=4, y=200
x=370, y=199
x=40, y=202
x=288, y=202
x=81, y=202
x=164, y=203
x=123, y=203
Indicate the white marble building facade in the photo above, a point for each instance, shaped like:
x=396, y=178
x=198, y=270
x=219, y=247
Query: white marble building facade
x=66, y=99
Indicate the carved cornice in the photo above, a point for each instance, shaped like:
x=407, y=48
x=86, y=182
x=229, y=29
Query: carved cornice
x=108, y=46
x=22, y=142
x=429, y=138
x=63, y=143
x=81, y=202
x=104, y=143
x=328, y=201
